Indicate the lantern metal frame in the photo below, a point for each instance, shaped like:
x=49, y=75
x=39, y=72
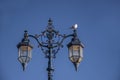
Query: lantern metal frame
x=75, y=42
x=25, y=42
x=50, y=41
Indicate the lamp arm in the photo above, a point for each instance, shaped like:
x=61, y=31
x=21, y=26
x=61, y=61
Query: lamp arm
x=74, y=35
x=70, y=35
x=66, y=36
x=37, y=40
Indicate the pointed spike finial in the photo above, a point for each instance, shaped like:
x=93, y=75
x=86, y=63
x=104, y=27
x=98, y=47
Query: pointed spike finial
x=50, y=21
x=24, y=66
x=25, y=34
x=25, y=31
x=76, y=66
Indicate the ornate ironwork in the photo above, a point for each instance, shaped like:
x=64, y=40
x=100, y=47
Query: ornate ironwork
x=50, y=41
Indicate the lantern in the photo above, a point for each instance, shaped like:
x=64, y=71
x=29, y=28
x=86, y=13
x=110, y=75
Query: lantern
x=24, y=52
x=75, y=48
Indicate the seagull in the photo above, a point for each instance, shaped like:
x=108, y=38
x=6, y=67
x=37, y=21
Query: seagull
x=75, y=26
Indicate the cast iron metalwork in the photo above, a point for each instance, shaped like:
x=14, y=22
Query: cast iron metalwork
x=50, y=41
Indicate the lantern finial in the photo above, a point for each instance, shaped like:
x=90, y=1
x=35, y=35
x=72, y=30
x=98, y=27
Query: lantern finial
x=76, y=66
x=24, y=66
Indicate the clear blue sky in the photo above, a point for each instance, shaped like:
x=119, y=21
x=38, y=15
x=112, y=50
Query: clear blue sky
x=99, y=30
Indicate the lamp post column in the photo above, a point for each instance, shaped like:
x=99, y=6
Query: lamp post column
x=50, y=55
x=50, y=68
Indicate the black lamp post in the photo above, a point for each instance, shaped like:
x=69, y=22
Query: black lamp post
x=50, y=41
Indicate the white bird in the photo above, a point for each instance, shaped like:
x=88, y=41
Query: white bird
x=75, y=26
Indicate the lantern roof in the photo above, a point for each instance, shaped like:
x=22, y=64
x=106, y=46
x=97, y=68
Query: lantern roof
x=24, y=42
x=75, y=41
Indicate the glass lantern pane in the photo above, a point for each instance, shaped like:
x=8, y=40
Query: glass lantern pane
x=25, y=51
x=24, y=54
x=74, y=58
x=76, y=53
x=70, y=51
x=81, y=51
x=76, y=47
x=76, y=50
x=24, y=48
x=24, y=59
x=29, y=55
x=80, y=59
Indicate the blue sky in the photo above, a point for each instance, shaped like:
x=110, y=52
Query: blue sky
x=99, y=30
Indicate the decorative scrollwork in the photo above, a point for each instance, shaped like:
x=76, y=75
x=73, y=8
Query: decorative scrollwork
x=50, y=38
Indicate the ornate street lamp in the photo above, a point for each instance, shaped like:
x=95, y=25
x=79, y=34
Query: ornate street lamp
x=75, y=48
x=24, y=51
x=50, y=41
